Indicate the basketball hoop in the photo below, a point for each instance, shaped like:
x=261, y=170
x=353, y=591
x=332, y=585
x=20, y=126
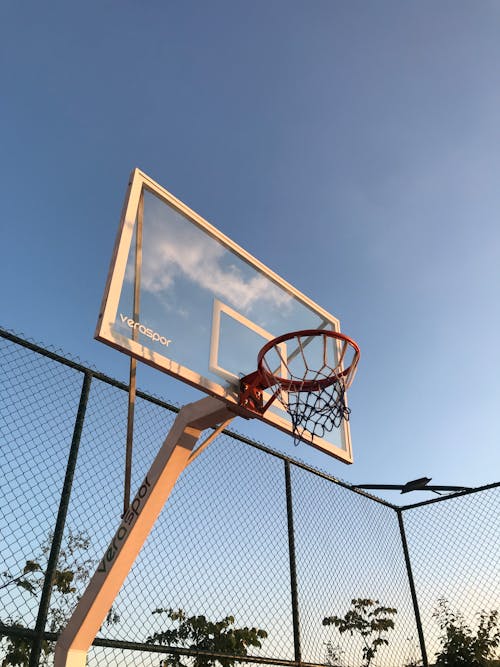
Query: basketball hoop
x=309, y=372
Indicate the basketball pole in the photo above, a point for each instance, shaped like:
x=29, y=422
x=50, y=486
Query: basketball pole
x=132, y=387
x=174, y=456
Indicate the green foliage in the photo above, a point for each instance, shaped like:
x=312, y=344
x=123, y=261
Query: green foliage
x=413, y=662
x=21, y=581
x=71, y=575
x=200, y=634
x=367, y=619
x=333, y=655
x=460, y=645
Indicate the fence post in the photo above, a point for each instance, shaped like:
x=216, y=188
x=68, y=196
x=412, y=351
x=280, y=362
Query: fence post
x=60, y=523
x=413, y=591
x=293, y=565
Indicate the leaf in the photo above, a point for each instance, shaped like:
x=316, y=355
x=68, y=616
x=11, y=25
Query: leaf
x=31, y=566
x=27, y=585
x=62, y=581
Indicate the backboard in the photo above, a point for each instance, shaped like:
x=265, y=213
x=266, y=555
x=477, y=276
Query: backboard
x=185, y=299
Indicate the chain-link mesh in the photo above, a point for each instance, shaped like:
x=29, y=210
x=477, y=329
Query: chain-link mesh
x=218, y=549
x=348, y=547
x=455, y=555
x=248, y=538
x=38, y=403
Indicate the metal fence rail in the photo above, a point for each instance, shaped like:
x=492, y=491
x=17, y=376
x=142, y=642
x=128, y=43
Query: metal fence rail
x=248, y=535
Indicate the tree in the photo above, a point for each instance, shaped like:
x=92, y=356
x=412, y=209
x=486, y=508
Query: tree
x=200, y=634
x=70, y=577
x=368, y=620
x=459, y=644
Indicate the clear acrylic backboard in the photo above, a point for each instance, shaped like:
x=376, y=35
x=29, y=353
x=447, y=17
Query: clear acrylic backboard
x=185, y=299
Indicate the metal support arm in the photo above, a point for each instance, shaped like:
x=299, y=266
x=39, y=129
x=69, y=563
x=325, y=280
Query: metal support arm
x=173, y=457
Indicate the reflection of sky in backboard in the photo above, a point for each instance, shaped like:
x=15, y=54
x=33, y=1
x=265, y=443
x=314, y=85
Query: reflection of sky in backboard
x=184, y=270
x=206, y=307
x=174, y=250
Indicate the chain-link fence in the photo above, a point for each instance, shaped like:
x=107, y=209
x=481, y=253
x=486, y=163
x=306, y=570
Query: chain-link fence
x=250, y=555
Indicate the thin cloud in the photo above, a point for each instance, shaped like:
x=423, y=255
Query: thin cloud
x=189, y=253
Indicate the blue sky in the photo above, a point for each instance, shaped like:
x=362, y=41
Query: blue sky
x=353, y=147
